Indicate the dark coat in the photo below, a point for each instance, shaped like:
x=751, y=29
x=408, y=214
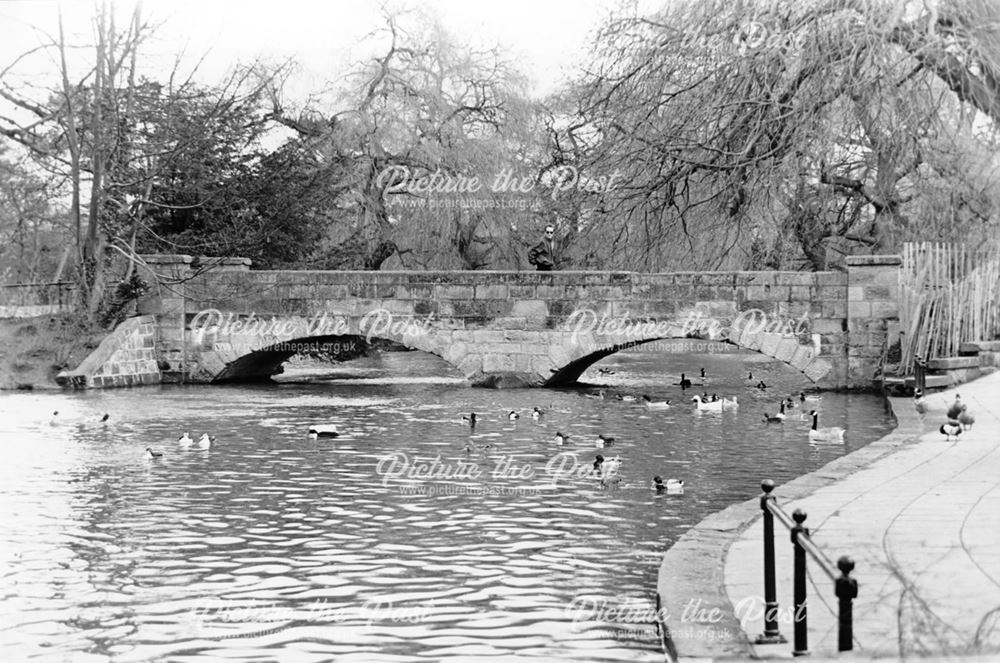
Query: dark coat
x=544, y=255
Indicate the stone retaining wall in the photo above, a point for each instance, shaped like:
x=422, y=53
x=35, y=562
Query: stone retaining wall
x=125, y=358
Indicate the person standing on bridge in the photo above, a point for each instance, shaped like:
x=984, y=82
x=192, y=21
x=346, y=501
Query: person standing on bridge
x=545, y=255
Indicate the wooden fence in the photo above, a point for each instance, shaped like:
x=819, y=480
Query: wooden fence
x=949, y=295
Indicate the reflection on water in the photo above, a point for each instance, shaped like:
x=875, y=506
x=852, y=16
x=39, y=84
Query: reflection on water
x=412, y=536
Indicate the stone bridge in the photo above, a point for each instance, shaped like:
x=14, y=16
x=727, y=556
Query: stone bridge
x=216, y=320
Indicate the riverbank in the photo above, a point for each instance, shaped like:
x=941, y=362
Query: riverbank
x=912, y=509
x=34, y=350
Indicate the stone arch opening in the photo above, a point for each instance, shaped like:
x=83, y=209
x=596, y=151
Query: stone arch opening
x=783, y=348
x=262, y=363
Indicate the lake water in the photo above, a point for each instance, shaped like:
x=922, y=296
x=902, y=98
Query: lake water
x=411, y=537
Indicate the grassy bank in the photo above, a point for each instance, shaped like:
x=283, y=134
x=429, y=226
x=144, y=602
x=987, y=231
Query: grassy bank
x=34, y=350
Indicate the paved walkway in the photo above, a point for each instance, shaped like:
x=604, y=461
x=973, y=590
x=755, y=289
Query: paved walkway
x=919, y=515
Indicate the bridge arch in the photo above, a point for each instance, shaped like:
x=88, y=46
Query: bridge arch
x=786, y=348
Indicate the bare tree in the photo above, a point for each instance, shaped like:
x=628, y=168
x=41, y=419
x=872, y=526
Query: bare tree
x=426, y=105
x=754, y=134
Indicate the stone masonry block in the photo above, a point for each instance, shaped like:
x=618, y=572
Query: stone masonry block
x=492, y=292
x=454, y=292
x=818, y=369
x=885, y=309
x=498, y=363
x=859, y=309
x=827, y=325
x=786, y=349
x=769, y=343
x=801, y=357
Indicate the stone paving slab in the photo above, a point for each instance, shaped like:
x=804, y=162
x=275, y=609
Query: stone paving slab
x=920, y=516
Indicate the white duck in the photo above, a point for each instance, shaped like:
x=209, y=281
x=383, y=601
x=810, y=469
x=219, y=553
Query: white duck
x=730, y=403
x=205, y=441
x=703, y=406
x=655, y=405
x=833, y=434
x=603, y=441
x=185, y=441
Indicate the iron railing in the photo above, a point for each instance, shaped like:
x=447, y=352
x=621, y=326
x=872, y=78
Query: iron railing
x=57, y=293
x=845, y=587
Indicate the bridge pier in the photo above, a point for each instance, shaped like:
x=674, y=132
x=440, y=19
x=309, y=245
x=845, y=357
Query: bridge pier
x=215, y=319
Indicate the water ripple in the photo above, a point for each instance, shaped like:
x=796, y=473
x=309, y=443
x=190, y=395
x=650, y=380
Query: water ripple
x=270, y=543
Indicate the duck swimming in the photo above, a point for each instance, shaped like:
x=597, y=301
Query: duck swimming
x=702, y=406
x=536, y=413
x=684, y=383
x=810, y=399
x=323, y=430
x=598, y=395
x=761, y=385
x=675, y=486
x=561, y=438
x=205, y=441
x=832, y=434
x=185, y=441
x=611, y=471
x=655, y=405
x=628, y=398
x=513, y=415
x=603, y=441
x=730, y=403
x=470, y=419
x=153, y=454
x=777, y=418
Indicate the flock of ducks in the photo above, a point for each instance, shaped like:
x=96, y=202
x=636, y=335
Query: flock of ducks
x=959, y=419
x=609, y=471
x=606, y=470
x=185, y=441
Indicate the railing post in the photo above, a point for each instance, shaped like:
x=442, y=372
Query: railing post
x=919, y=372
x=771, y=635
x=801, y=636
x=846, y=590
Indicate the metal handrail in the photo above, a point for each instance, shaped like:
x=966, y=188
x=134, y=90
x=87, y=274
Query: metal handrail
x=805, y=541
x=34, y=294
x=845, y=587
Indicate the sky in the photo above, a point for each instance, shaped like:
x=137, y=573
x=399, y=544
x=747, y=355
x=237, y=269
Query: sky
x=546, y=38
